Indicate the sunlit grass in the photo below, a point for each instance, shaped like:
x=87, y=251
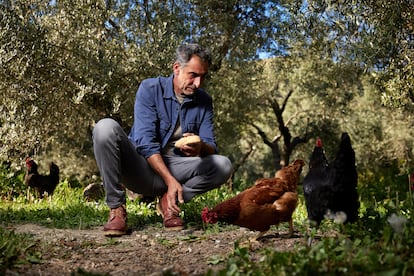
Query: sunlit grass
x=65, y=209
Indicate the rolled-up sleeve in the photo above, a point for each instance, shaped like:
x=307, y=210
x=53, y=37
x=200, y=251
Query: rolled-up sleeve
x=144, y=131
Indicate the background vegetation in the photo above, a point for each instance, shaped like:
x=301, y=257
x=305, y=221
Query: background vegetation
x=284, y=73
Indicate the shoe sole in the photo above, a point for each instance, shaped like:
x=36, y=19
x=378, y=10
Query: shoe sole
x=114, y=233
x=175, y=228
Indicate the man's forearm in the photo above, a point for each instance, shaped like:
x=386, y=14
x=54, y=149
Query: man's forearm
x=157, y=163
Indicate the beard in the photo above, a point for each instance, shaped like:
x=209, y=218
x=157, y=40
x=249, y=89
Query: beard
x=189, y=90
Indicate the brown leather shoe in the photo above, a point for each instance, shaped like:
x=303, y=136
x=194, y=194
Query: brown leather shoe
x=172, y=221
x=117, y=222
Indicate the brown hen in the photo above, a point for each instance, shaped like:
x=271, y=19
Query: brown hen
x=268, y=202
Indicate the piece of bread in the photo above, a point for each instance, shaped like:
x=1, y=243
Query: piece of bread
x=187, y=140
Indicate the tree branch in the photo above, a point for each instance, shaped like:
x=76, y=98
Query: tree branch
x=262, y=134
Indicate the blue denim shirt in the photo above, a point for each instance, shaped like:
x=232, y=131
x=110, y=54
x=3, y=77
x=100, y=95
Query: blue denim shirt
x=156, y=112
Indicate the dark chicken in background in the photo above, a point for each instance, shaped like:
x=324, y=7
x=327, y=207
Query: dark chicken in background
x=330, y=189
x=41, y=183
x=269, y=201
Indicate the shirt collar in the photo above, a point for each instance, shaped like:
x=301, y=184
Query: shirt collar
x=169, y=92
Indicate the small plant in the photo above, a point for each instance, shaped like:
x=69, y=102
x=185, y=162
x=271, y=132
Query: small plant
x=16, y=249
x=11, y=182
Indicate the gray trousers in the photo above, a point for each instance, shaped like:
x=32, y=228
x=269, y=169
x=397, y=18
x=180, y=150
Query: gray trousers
x=120, y=164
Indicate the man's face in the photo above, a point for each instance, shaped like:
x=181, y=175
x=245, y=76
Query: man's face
x=189, y=78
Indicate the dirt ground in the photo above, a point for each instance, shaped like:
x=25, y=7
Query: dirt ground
x=146, y=251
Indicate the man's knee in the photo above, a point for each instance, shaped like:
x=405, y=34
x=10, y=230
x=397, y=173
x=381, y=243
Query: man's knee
x=224, y=168
x=104, y=130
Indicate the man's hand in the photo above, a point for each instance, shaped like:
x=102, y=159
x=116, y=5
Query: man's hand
x=191, y=149
x=174, y=192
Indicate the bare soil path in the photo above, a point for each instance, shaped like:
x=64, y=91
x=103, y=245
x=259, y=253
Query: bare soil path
x=146, y=251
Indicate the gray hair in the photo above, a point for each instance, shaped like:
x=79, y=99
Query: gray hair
x=184, y=52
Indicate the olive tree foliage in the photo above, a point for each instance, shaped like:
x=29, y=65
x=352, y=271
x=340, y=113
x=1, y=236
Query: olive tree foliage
x=303, y=93
x=390, y=48
x=378, y=36
x=58, y=64
x=63, y=67
x=302, y=99
x=66, y=64
x=380, y=137
x=324, y=82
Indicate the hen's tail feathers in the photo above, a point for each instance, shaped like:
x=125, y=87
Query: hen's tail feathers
x=339, y=217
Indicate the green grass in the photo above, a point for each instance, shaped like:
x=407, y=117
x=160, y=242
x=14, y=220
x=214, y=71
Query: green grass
x=16, y=249
x=370, y=246
x=66, y=209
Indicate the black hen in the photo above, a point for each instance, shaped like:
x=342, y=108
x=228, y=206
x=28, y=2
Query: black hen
x=41, y=183
x=330, y=189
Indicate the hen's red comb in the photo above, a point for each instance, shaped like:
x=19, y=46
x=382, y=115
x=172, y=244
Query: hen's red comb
x=319, y=142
